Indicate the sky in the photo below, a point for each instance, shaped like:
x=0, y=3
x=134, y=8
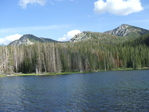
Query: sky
x=62, y=19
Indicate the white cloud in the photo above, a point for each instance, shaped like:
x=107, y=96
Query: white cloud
x=69, y=35
x=23, y=3
x=117, y=7
x=6, y=40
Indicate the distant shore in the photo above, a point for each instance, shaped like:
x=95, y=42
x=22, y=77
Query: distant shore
x=65, y=73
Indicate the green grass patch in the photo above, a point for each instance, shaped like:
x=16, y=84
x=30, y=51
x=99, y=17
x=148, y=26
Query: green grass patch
x=119, y=69
x=65, y=73
x=30, y=74
x=2, y=75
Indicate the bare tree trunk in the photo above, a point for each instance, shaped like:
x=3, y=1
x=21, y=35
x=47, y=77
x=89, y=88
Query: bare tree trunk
x=58, y=62
x=53, y=57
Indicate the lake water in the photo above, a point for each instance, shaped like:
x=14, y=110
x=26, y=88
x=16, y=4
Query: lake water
x=113, y=91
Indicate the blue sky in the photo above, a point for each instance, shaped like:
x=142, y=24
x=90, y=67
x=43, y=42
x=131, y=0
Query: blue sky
x=62, y=19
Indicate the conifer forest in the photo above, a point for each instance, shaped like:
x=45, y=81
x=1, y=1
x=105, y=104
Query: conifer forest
x=88, y=55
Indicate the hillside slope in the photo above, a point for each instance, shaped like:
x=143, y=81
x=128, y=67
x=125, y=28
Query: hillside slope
x=30, y=39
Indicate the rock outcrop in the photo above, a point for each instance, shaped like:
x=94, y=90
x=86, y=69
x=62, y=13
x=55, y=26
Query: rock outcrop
x=128, y=31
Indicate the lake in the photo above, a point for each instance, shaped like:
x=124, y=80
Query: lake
x=112, y=91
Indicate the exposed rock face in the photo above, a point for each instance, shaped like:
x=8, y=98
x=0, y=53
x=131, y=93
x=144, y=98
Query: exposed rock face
x=128, y=30
x=80, y=37
x=22, y=41
x=29, y=39
x=86, y=35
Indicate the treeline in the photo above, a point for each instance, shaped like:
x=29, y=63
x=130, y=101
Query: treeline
x=89, y=55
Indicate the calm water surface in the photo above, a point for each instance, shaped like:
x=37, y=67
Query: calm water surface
x=114, y=91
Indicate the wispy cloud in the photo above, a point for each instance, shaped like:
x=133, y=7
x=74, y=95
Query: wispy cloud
x=117, y=7
x=69, y=35
x=24, y=3
x=34, y=28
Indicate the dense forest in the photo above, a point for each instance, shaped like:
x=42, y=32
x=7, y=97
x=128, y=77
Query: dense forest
x=88, y=55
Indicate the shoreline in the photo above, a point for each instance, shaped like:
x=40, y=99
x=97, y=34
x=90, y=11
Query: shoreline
x=66, y=73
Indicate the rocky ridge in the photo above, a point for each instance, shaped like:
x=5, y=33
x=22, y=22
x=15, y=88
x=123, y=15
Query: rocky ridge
x=128, y=31
x=81, y=36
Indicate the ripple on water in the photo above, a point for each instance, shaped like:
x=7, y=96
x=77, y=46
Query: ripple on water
x=103, y=91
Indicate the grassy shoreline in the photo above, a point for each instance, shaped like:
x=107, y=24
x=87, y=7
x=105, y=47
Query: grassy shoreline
x=65, y=73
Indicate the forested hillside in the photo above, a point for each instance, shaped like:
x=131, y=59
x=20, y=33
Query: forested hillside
x=29, y=39
x=89, y=55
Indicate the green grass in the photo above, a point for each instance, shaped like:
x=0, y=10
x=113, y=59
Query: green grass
x=62, y=73
x=65, y=73
x=30, y=74
x=119, y=69
x=2, y=75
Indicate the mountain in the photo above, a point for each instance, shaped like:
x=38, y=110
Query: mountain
x=142, y=40
x=113, y=36
x=117, y=34
x=30, y=39
x=128, y=31
x=91, y=35
x=83, y=36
